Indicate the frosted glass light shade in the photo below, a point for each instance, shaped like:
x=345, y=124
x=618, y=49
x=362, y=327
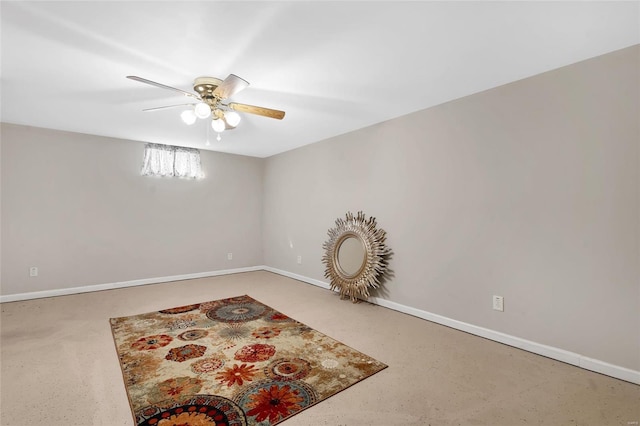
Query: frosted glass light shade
x=232, y=117
x=218, y=125
x=202, y=110
x=188, y=117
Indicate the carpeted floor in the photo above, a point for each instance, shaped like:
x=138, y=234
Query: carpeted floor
x=59, y=364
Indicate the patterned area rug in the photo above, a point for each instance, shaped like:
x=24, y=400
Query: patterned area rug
x=229, y=362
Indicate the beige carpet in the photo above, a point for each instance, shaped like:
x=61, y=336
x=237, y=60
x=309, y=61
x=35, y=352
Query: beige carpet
x=58, y=363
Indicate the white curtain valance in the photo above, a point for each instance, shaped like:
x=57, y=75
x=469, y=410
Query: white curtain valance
x=167, y=160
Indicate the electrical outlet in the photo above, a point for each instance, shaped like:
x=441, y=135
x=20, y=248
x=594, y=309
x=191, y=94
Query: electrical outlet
x=229, y=256
x=299, y=260
x=498, y=303
x=33, y=271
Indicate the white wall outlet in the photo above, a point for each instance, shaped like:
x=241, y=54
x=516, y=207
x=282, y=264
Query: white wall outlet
x=498, y=303
x=33, y=271
x=299, y=260
x=229, y=256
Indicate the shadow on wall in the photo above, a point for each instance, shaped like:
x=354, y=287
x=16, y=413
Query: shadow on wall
x=382, y=291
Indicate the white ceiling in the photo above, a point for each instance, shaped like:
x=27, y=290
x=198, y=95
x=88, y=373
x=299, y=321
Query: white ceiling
x=333, y=66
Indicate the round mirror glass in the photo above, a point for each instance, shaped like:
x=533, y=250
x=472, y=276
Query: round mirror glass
x=351, y=255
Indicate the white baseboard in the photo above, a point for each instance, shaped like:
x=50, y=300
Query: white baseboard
x=111, y=286
x=297, y=277
x=573, y=358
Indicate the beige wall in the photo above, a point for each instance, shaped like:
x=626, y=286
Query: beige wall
x=77, y=207
x=529, y=191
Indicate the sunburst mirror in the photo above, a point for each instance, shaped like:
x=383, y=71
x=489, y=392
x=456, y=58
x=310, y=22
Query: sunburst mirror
x=355, y=256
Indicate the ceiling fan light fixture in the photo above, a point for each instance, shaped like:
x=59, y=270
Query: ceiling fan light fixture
x=202, y=110
x=232, y=117
x=218, y=125
x=188, y=117
x=210, y=94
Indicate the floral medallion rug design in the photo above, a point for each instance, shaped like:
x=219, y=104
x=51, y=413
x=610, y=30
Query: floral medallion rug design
x=229, y=362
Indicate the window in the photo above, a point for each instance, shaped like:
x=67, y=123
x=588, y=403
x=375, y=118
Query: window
x=167, y=160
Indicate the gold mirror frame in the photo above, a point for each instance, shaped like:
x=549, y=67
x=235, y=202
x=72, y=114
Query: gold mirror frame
x=356, y=285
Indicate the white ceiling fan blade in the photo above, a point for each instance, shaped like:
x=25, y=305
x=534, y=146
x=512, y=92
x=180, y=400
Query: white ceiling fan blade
x=162, y=86
x=230, y=86
x=165, y=107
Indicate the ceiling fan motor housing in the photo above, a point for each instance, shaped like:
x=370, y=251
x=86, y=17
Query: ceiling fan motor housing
x=205, y=86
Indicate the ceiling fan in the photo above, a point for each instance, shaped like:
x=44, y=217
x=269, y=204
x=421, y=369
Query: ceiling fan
x=210, y=94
